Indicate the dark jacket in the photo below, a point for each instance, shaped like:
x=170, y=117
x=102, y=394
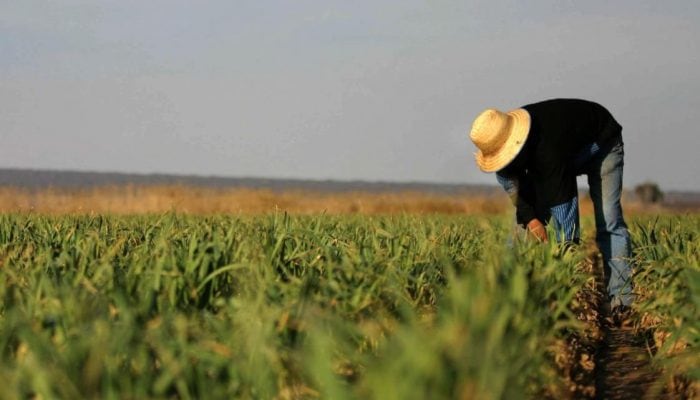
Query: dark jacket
x=560, y=129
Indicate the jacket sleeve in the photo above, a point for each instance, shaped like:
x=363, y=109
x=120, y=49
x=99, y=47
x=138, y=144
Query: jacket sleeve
x=524, y=211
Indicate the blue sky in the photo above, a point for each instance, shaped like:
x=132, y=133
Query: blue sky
x=374, y=90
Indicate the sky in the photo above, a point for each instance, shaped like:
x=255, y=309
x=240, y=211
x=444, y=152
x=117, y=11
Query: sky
x=331, y=89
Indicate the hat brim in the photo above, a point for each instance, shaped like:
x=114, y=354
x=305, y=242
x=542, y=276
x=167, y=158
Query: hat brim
x=519, y=130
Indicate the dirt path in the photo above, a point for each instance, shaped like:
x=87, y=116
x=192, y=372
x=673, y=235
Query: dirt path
x=623, y=368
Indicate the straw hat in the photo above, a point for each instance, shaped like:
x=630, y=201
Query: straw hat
x=499, y=137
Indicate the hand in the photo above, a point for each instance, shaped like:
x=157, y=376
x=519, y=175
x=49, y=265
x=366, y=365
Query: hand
x=537, y=230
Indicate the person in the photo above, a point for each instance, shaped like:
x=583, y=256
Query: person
x=537, y=151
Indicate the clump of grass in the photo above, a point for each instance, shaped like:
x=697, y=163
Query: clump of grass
x=667, y=281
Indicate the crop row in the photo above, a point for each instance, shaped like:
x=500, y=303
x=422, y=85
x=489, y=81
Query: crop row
x=289, y=307
x=667, y=258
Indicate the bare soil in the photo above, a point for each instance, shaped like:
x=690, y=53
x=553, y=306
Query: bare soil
x=622, y=362
x=623, y=367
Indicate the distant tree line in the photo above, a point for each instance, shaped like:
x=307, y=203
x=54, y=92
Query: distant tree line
x=649, y=193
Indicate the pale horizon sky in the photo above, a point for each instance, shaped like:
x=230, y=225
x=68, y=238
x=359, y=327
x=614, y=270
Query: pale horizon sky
x=368, y=90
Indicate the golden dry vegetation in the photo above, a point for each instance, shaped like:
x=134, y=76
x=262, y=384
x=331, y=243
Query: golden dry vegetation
x=135, y=199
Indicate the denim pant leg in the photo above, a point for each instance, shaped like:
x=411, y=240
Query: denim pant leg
x=605, y=183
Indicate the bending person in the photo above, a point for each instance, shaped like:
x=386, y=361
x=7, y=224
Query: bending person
x=537, y=151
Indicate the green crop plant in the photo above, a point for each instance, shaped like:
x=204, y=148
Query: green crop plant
x=279, y=306
x=667, y=256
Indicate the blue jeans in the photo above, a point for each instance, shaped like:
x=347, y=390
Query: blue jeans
x=604, y=171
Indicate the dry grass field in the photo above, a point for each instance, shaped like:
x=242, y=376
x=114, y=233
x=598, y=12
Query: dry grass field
x=135, y=199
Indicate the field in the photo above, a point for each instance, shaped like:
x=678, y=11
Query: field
x=154, y=199
x=328, y=306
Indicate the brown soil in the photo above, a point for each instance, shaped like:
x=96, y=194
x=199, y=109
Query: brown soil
x=623, y=367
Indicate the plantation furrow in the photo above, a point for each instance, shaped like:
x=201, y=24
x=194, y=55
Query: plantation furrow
x=624, y=369
x=627, y=363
